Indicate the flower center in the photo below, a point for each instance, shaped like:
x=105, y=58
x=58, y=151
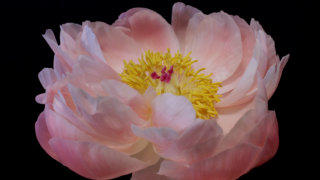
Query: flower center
x=179, y=79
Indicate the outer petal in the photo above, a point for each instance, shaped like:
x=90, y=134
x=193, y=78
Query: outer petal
x=181, y=15
x=215, y=41
x=43, y=135
x=227, y=165
x=149, y=30
x=172, y=111
x=94, y=161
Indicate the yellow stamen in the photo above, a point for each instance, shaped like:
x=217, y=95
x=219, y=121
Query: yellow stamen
x=194, y=85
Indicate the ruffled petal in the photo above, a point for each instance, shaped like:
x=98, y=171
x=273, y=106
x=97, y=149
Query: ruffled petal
x=93, y=160
x=227, y=165
x=172, y=111
x=43, y=135
x=215, y=41
x=181, y=15
x=149, y=30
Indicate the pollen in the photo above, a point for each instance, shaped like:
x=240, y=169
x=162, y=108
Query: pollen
x=174, y=74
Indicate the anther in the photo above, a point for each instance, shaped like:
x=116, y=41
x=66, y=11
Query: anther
x=154, y=75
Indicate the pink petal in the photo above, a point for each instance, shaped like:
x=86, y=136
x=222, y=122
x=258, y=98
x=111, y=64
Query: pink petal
x=181, y=15
x=150, y=30
x=89, y=73
x=92, y=160
x=197, y=142
x=243, y=86
x=149, y=173
x=91, y=44
x=47, y=77
x=115, y=44
x=273, y=75
x=43, y=135
x=127, y=95
x=69, y=39
x=215, y=41
x=61, y=128
x=107, y=116
x=265, y=135
x=160, y=136
x=63, y=56
x=248, y=42
x=230, y=116
x=229, y=164
x=41, y=98
x=172, y=111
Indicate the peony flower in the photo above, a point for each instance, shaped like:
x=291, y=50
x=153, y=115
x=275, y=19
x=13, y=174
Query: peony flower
x=182, y=101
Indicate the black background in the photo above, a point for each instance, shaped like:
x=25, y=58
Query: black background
x=288, y=22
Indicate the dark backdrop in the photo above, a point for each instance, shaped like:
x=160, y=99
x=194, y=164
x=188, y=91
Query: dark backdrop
x=285, y=21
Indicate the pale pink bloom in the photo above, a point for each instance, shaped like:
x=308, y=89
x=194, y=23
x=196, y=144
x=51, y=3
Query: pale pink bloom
x=101, y=128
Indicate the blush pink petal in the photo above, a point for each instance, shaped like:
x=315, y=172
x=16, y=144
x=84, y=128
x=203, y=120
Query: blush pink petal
x=47, y=77
x=243, y=86
x=227, y=165
x=43, y=135
x=91, y=44
x=248, y=42
x=89, y=73
x=215, y=41
x=61, y=128
x=196, y=143
x=181, y=15
x=149, y=173
x=94, y=161
x=172, y=111
x=66, y=60
x=230, y=116
x=273, y=75
x=115, y=44
x=149, y=30
x=107, y=116
x=127, y=95
x=69, y=39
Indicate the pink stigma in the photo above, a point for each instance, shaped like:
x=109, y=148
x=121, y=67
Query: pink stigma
x=154, y=75
x=165, y=76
